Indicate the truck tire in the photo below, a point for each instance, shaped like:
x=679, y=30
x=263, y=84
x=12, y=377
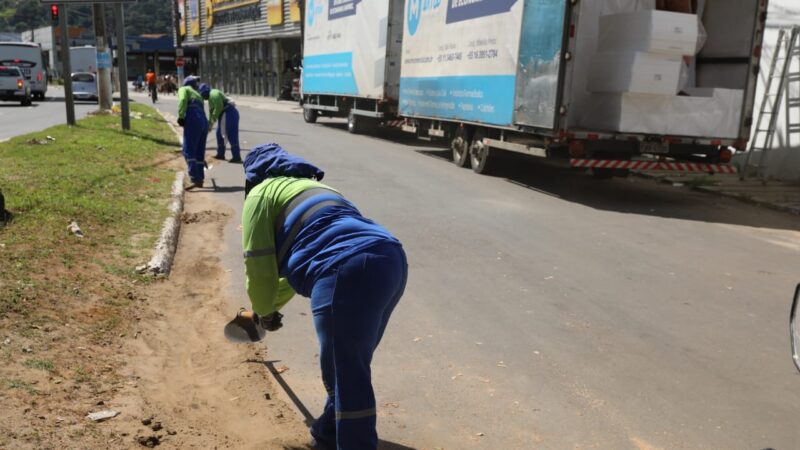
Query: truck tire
x=460, y=146
x=479, y=154
x=359, y=124
x=310, y=115
x=353, y=123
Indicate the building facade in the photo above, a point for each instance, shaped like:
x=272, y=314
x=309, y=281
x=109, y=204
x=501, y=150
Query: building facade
x=247, y=47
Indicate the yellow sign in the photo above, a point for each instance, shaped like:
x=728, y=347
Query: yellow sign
x=182, y=16
x=194, y=17
x=294, y=10
x=275, y=12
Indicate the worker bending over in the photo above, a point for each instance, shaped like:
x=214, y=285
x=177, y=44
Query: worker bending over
x=302, y=236
x=223, y=110
x=192, y=117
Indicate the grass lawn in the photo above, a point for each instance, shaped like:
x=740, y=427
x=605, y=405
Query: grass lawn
x=60, y=292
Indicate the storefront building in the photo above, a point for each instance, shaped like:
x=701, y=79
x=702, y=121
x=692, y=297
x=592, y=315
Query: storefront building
x=247, y=47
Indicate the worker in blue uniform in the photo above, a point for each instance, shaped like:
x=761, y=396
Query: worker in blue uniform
x=302, y=236
x=222, y=111
x=192, y=117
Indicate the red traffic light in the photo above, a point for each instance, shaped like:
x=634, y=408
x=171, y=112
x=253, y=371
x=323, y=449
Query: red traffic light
x=54, y=12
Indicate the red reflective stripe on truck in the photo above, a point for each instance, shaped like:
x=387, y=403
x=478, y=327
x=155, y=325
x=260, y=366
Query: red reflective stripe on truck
x=652, y=165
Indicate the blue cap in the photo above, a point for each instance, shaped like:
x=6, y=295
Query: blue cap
x=191, y=80
x=204, y=90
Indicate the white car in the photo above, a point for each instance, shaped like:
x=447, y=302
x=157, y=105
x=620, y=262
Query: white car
x=14, y=87
x=84, y=86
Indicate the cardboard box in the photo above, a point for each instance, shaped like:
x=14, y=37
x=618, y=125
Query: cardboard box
x=710, y=113
x=650, y=31
x=644, y=73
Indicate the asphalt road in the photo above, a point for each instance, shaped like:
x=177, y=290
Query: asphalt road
x=16, y=119
x=546, y=309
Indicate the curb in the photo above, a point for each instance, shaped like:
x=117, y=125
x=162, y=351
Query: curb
x=166, y=246
x=721, y=193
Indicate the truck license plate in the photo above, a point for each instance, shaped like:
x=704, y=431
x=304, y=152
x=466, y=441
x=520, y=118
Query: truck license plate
x=654, y=147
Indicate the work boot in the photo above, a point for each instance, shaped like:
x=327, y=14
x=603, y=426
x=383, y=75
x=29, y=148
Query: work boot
x=220, y=157
x=193, y=185
x=322, y=443
x=236, y=160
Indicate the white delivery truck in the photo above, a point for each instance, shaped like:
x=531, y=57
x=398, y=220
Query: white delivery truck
x=607, y=85
x=28, y=58
x=610, y=85
x=83, y=59
x=351, y=60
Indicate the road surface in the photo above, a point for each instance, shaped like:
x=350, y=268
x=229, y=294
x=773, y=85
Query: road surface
x=16, y=119
x=546, y=309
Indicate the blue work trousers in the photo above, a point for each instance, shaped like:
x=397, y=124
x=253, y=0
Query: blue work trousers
x=361, y=294
x=228, y=127
x=195, y=133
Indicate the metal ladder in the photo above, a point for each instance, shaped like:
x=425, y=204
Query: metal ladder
x=781, y=80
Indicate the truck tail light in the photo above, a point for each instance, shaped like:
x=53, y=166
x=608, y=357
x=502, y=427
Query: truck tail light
x=19, y=84
x=39, y=76
x=577, y=149
x=725, y=155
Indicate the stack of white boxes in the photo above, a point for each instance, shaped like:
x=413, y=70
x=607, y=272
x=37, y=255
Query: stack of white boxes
x=640, y=68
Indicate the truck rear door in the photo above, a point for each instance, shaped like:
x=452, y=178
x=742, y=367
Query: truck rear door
x=540, y=67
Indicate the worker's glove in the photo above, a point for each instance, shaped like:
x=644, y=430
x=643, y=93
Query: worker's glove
x=271, y=322
x=181, y=122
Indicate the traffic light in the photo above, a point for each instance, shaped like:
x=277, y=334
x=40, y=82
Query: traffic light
x=54, y=13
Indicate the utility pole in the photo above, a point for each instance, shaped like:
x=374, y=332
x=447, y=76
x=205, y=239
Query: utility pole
x=122, y=61
x=103, y=57
x=176, y=15
x=66, y=69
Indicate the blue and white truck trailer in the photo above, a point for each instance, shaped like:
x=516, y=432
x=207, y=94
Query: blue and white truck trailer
x=351, y=61
x=607, y=85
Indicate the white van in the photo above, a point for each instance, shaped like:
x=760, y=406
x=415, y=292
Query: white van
x=28, y=57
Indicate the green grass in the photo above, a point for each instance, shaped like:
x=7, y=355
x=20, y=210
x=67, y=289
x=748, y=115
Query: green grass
x=19, y=384
x=114, y=184
x=40, y=364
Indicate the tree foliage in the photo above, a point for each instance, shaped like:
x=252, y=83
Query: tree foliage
x=142, y=17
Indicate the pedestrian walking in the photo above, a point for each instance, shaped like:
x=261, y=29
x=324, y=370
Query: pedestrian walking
x=302, y=236
x=152, y=84
x=192, y=117
x=222, y=110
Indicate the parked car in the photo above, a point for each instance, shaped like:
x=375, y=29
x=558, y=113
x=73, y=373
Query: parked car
x=14, y=87
x=84, y=86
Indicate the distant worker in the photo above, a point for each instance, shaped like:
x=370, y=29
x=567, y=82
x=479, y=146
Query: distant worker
x=192, y=117
x=302, y=236
x=222, y=110
x=152, y=84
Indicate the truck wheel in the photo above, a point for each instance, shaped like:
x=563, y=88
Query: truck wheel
x=460, y=147
x=310, y=115
x=359, y=124
x=354, y=123
x=479, y=154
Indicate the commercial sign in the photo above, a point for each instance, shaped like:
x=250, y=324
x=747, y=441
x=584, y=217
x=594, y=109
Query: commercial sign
x=460, y=59
x=226, y=12
x=194, y=17
x=294, y=10
x=182, y=16
x=345, y=47
x=274, y=12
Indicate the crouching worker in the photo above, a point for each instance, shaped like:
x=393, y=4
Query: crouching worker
x=192, y=117
x=303, y=236
x=223, y=110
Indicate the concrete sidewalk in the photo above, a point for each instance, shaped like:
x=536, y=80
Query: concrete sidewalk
x=262, y=103
x=778, y=195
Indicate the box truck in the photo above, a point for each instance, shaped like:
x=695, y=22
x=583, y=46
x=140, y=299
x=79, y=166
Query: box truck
x=351, y=60
x=607, y=85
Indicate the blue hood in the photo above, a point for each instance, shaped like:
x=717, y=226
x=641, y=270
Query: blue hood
x=271, y=160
